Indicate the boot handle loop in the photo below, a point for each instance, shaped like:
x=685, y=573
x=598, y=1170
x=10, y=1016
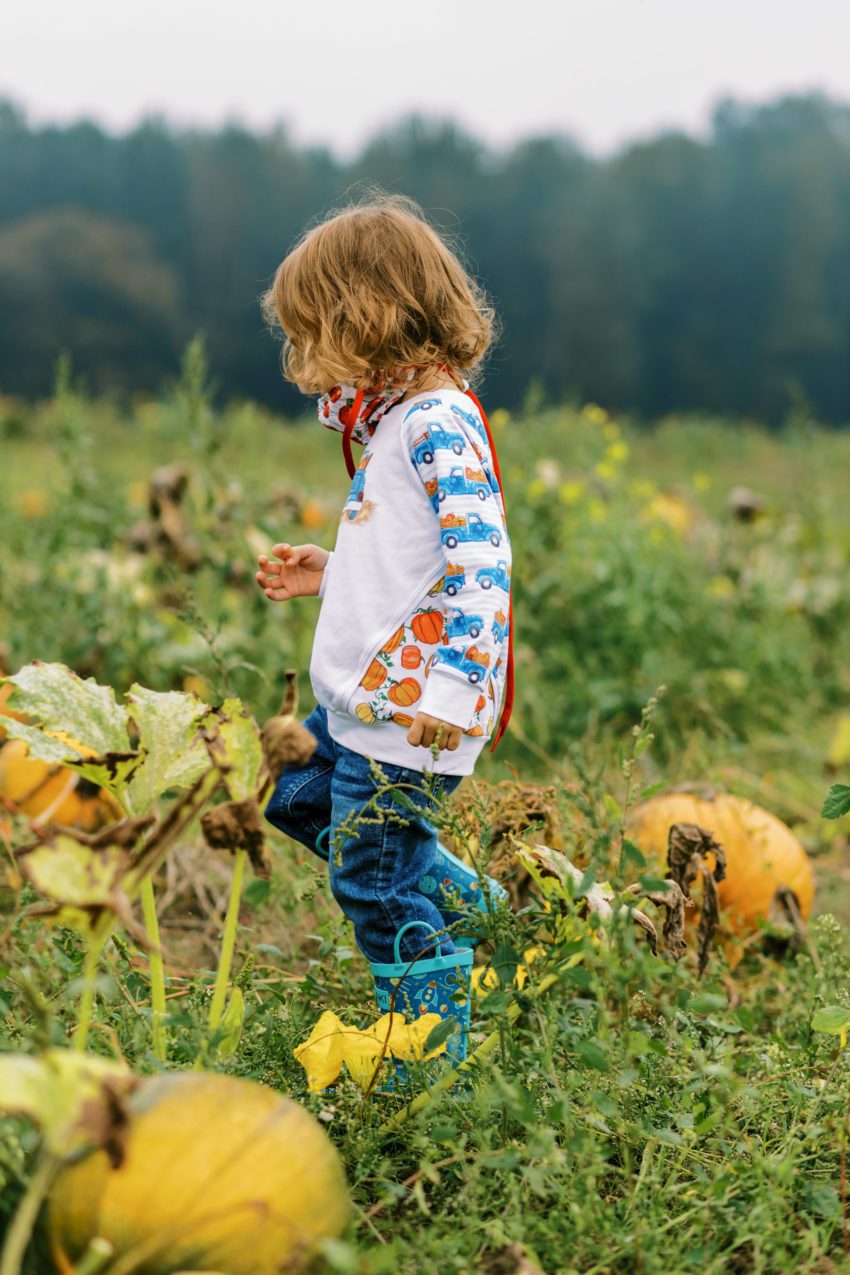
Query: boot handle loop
x=409, y=926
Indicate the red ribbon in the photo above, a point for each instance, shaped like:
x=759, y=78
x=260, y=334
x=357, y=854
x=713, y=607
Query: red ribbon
x=348, y=417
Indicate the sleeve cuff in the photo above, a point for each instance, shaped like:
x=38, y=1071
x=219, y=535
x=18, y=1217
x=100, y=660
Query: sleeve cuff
x=323, y=583
x=449, y=697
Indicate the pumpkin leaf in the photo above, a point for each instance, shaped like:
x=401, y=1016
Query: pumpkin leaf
x=58, y=699
x=110, y=770
x=234, y=745
x=74, y=1097
x=837, y=802
x=172, y=744
x=68, y=871
x=82, y=875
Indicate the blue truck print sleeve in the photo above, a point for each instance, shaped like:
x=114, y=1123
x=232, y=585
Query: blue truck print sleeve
x=448, y=448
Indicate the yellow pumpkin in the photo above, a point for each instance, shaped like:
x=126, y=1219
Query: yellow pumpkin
x=365, y=712
x=52, y=793
x=220, y=1174
x=762, y=853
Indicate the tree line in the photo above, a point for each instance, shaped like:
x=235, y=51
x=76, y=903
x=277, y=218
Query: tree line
x=681, y=273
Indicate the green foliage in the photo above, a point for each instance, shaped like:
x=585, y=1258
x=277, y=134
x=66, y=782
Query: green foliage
x=631, y=1116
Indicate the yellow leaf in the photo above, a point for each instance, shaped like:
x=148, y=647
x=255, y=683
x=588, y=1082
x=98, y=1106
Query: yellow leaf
x=321, y=1054
x=410, y=1043
x=72, y=873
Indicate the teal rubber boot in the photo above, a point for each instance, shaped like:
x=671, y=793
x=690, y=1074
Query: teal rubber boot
x=439, y=985
x=451, y=883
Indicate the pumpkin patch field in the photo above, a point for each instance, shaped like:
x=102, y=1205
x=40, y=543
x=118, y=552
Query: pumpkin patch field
x=192, y=1068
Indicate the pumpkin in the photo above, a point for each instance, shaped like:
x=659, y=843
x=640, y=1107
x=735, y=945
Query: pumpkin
x=365, y=712
x=313, y=515
x=402, y=719
x=219, y=1173
x=762, y=853
x=411, y=657
x=374, y=676
x=405, y=692
x=394, y=642
x=52, y=793
x=474, y=730
x=428, y=626
x=482, y=703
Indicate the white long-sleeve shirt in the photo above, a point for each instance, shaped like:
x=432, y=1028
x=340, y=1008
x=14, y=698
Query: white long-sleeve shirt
x=414, y=614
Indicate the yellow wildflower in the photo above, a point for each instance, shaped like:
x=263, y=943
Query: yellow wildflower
x=617, y=451
x=595, y=414
x=33, y=503
x=571, y=491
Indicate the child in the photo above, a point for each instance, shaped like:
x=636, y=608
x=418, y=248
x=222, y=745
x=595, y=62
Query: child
x=411, y=655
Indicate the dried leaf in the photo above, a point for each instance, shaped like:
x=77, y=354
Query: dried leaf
x=286, y=743
x=237, y=825
x=673, y=901
x=687, y=846
x=709, y=916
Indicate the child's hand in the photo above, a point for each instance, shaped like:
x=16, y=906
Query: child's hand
x=297, y=575
x=427, y=730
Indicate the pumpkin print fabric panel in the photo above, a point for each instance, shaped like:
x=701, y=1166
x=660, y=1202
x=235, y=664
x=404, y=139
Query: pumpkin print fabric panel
x=448, y=657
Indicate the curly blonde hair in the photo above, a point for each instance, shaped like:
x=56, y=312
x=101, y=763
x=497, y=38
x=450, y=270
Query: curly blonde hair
x=372, y=290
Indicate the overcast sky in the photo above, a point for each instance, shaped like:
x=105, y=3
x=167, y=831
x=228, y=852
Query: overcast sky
x=335, y=71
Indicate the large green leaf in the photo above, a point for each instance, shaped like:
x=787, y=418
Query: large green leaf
x=59, y=699
x=172, y=742
x=236, y=748
x=72, y=1096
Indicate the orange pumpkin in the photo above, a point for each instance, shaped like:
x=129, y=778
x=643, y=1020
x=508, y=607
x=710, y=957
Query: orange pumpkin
x=411, y=657
x=374, y=676
x=428, y=626
x=762, y=853
x=402, y=719
x=482, y=701
x=313, y=515
x=394, y=642
x=52, y=793
x=474, y=730
x=405, y=692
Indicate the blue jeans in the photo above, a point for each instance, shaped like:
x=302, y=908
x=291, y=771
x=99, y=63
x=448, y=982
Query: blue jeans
x=374, y=873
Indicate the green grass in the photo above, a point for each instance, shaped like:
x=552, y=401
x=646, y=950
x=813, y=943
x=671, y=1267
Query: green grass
x=634, y=1118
